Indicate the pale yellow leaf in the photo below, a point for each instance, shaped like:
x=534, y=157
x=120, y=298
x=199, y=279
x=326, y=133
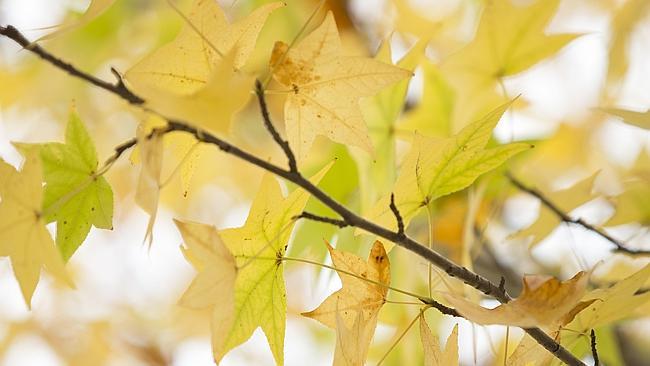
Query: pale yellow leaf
x=148, y=189
x=324, y=88
x=353, y=309
x=214, y=285
x=25, y=239
x=432, y=354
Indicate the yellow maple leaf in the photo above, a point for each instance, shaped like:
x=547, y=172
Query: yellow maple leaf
x=545, y=302
x=197, y=76
x=214, y=285
x=25, y=239
x=353, y=309
x=148, y=190
x=509, y=39
x=324, y=88
x=432, y=354
x=258, y=248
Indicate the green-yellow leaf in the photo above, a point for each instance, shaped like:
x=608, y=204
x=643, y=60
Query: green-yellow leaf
x=75, y=196
x=25, y=239
x=95, y=9
x=324, y=88
x=258, y=248
x=434, y=168
x=377, y=173
x=433, y=114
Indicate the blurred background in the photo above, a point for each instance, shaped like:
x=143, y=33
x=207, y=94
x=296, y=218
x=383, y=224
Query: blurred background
x=124, y=309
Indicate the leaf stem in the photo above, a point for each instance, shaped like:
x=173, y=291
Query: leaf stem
x=399, y=339
x=424, y=299
x=430, y=243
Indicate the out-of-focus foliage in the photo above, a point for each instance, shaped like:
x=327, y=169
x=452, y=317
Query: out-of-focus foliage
x=405, y=97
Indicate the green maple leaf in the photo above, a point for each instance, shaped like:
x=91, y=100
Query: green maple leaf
x=75, y=196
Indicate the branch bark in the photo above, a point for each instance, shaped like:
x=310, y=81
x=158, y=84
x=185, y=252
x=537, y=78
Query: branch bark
x=348, y=217
x=621, y=247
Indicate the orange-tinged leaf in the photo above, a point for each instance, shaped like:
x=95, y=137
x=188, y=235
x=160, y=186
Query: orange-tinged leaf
x=543, y=303
x=353, y=309
x=324, y=88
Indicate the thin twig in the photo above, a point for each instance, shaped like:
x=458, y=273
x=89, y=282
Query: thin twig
x=594, y=350
x=350, y=218
x=327, y=220
x=119, y=88
x=621, y=247
x=398, y=216
x=259, y=90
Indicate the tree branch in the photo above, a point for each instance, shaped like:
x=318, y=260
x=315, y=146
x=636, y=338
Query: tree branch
x=318, y=218
x=594, y=350
x=119, y=88
x=398, y=216
x=349, y=217
x=259, y=91
x=621, y=247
